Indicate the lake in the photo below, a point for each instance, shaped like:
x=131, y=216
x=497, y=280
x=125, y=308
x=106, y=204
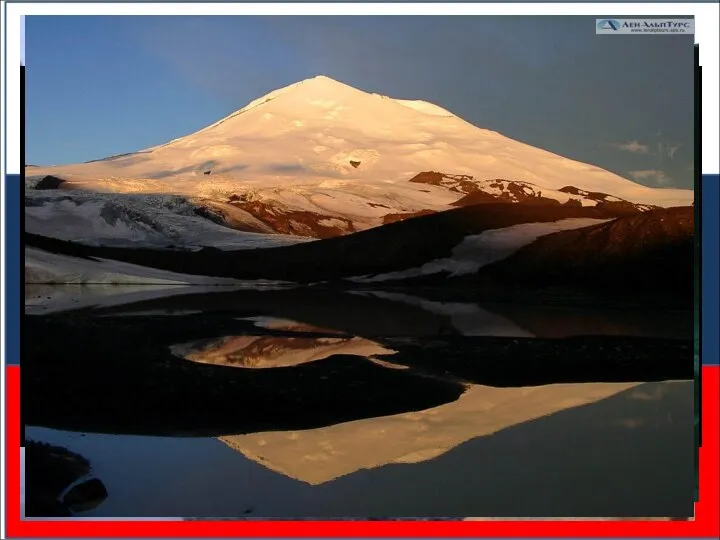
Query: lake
x=246, y=402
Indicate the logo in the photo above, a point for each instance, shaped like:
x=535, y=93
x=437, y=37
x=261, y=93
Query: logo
x=608, y=24
x=644, y=26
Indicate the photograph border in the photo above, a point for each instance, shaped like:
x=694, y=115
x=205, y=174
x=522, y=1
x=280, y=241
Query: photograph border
x=706, y=522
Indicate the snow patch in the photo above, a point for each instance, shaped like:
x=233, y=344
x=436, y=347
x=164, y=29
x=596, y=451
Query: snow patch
x=479, y=250
x=333, y=222
x=45, y=267
x=122, y=220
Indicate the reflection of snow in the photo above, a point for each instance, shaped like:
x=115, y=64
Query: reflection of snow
x=468, y=319
x=45, y=298
x=509, y=472
x=319, y=455
x=45, y=267
x=100, y=277
x=479, y=250
x=274, y=323
x=259, y=352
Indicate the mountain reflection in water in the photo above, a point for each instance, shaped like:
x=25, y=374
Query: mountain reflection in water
x=320, y=455
x=344, y=435
x=274, y=351
x=556, y=451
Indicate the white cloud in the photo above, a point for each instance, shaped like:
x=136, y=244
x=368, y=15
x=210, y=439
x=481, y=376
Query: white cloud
x=655, y=176
x=633, y=147
x=671, y=149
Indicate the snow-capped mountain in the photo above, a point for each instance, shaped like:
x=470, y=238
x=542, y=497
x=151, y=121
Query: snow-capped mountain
x=319, y=158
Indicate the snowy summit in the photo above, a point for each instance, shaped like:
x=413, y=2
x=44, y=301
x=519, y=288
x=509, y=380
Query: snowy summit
x=321, y=134
x=321, y=159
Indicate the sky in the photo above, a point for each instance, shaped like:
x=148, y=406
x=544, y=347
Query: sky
x=99, y=86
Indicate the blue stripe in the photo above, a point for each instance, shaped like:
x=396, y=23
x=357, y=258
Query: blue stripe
x=13, y=281
x=710, y=288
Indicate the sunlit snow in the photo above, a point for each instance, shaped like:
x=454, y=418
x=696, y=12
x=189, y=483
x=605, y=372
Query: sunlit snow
x=309, y=132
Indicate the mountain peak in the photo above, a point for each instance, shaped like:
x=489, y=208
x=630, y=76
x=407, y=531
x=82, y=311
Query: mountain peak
x=323, y=82
x=324, y=78
x=325, y=132
x=314, y=86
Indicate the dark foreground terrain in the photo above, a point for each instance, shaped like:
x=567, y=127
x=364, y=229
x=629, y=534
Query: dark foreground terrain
x=58, y=482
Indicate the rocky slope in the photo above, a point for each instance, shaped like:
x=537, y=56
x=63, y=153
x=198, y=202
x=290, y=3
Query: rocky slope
x=394, y=247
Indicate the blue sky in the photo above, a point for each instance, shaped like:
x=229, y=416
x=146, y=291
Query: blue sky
x=97, y=86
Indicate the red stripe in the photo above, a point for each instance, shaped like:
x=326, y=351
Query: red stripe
x=706, y=523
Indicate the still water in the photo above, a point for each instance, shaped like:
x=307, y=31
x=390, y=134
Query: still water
x=557, y=450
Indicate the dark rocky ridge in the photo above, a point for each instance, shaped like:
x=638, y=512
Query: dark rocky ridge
x=649, y=251
x=396, y=246
x=285, y=220
x=393, y=218
x=519, y=192
x=50, y=182
x=295, y=222
x=49, y=471
x=647, y=256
